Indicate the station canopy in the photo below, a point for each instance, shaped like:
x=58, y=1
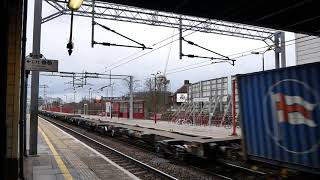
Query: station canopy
x=301, y=16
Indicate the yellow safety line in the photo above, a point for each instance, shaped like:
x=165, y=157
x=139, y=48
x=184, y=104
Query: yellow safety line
x=57, y=157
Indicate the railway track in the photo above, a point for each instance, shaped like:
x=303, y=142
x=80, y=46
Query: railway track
x=230, y=171
x=138, y=168
x=221, y=170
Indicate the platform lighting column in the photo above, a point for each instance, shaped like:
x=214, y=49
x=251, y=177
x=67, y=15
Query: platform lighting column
x=155, y=99
x=262, y=54
x=35, y=79
x=89, y=99
x=155, y=96
x=65, y=102
x=279, y=43
x=111, y=85
x=234, y=112
x=111, y=93
x=74, y=102
x=283, y=49
x=180, y=38
x=25, y=113
x=131, y=98
x=23, y=94
x=210, y=103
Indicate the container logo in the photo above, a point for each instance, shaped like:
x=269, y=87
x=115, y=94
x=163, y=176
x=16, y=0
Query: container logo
x=294, y=108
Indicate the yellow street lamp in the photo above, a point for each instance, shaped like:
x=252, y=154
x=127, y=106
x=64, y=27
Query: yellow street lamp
x=73, y=5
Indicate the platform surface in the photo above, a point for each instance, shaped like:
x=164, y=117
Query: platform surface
x=201, y=131
x=61, y=156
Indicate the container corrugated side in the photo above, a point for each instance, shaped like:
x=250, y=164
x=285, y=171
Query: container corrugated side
x=280, y=116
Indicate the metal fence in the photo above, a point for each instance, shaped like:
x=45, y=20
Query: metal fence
x=208, y=104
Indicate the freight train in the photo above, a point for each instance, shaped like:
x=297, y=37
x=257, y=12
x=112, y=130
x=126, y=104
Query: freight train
x=180, y=146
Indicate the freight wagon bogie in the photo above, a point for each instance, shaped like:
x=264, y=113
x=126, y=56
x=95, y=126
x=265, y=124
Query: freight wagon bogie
x=171, y=148
x=184, y=150
x=102, y=129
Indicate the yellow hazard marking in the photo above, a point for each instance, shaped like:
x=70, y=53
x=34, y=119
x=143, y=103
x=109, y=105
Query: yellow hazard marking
x=57, y=157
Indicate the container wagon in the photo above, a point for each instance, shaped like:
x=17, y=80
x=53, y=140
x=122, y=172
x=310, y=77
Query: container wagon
x=280, y=116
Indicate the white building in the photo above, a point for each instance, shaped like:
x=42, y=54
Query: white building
x=53, y=99
x=307, y=49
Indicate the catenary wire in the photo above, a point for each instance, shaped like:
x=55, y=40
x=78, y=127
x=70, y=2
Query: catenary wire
x=149, y=51
x=170, y=37
x=159, y=43
x=175, y=70
x=242, y=53
x=188, y=35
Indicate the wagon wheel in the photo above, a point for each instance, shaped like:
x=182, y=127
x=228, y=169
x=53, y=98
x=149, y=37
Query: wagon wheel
x=112, y=133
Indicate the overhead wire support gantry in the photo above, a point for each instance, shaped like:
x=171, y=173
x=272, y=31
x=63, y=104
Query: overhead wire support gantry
x=117, y=12
x=110, y=11
x=142, y=46
x=222, y=58
x=93, y=42
x=83, y=76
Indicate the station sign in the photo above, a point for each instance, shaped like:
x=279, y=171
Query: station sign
x=108, y=107
x=46, y=65
x=182, y=97
x=204, y=99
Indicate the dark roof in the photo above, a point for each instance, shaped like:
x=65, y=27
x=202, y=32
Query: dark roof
x=182, y=89
x=291, y=15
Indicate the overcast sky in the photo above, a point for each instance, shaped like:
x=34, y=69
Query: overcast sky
x=55, y=35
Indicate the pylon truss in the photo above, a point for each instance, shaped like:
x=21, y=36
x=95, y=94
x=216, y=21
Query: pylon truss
x=110, y=11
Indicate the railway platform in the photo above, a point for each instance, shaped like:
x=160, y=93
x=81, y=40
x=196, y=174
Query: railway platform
x=61, y=156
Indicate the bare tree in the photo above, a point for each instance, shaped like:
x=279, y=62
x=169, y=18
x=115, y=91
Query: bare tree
x=148, y=85
x=135, y=86
x=159, y=94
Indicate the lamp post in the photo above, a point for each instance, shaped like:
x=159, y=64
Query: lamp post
x=85, y=109
x=262, y=53
x=65, y=102
x=154, y=98
x=73, y=5
x=66, y=98
x=74, y=102
x=89, y=99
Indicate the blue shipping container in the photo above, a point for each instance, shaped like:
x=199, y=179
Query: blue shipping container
x=280, y=116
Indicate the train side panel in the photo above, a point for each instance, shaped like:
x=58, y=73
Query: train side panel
x=280, y=116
